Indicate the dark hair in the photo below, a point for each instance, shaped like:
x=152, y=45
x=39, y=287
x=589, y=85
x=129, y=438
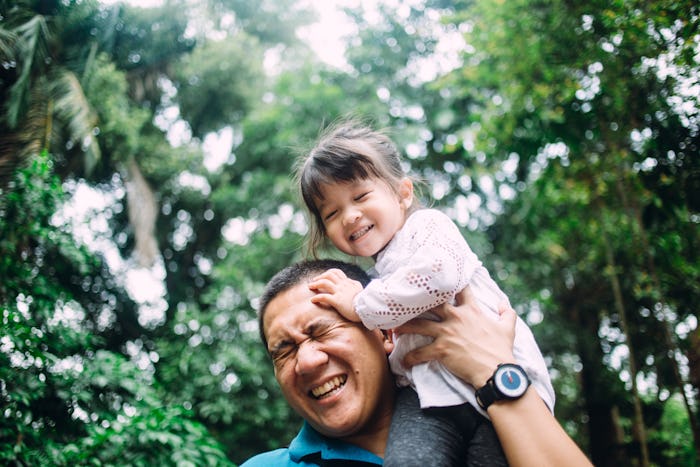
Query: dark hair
x=346, y=151
x=298, y=272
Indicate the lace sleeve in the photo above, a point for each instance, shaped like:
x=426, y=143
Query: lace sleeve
x=425, y=265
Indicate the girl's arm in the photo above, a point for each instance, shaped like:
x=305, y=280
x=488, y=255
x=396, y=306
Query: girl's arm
x=336, y=290
x=426, y=264
x=471, y=346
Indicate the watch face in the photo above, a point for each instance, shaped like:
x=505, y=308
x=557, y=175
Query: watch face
x=511, y=380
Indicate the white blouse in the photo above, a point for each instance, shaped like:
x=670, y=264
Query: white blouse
x=426, y=263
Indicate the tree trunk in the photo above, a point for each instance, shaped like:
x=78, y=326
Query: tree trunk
x=671, y=344
x=694, y=379
x=606, y=439
x=143, y=213
x=638, y=427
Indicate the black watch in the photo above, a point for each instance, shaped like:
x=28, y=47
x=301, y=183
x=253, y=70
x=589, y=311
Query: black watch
x=509, y=381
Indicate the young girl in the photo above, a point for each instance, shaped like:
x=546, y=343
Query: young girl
x=360, y=199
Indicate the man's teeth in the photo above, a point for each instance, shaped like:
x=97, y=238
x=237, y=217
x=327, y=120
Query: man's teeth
x=360, y=233
x=330, y=386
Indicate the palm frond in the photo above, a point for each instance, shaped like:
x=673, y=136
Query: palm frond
x=31, y=50
x=8, y=39
x=73, y=110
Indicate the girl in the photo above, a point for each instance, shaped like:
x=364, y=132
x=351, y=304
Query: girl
x=361, y=200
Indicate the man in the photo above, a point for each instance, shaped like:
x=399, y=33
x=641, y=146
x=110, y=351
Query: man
x=334, y=373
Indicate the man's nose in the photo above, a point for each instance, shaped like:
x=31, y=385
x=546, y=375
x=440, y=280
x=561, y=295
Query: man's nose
x=310, y=357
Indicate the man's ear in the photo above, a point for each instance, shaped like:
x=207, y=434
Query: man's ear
x=386, y=337
x=388, y=340
x=406, y=192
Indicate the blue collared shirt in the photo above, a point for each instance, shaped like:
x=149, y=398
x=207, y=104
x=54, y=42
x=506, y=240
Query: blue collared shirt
x=305, y=449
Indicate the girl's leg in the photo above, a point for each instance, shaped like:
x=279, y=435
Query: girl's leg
x=420, y=438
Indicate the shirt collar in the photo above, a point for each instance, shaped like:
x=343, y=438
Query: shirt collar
x=310, y=441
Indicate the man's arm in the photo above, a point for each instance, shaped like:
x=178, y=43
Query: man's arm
x=471, y=346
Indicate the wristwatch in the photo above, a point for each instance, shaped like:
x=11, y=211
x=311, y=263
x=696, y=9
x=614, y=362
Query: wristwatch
x=509, y=381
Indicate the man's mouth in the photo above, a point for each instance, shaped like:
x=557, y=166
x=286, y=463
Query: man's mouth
x=329, y=387
x=361, y=232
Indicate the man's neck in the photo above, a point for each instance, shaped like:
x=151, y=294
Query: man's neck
x=373, y=440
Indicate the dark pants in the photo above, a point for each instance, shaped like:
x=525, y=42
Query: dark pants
x=440, y=436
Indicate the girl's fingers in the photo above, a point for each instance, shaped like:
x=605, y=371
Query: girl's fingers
x=324, y=300
x=328, y=281
x=322, y=285
x=331, y=274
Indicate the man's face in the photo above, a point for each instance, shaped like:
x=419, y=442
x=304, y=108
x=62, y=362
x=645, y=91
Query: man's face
x=333, y=372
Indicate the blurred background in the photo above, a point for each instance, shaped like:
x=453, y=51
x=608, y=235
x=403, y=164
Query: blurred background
x=145, y=198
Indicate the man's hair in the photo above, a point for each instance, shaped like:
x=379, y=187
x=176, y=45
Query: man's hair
x=296, y=274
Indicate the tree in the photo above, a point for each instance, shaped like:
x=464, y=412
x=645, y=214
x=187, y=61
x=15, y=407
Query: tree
x=66, y=400
x=562, y=140
x=121, y=59
x=41, y=92
x=559, y=117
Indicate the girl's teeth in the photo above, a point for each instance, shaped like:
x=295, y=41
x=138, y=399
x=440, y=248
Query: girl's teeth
x=359, y=234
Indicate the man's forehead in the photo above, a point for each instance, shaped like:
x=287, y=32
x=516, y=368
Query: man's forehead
x=293, y=312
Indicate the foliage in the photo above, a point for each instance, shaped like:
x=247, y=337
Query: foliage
x=207, y=95
x=559, y=117
x=560, y=136
x=40, y=92
x=668, y=443
x=66, y=400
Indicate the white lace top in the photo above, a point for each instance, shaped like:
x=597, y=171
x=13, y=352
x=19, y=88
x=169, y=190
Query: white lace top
x=426, y=264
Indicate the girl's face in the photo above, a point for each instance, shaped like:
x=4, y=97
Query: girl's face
x=362, y=216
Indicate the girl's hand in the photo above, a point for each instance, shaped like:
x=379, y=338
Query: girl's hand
x=336, y=290
x=467, y=341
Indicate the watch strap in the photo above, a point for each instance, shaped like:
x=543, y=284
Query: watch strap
x=487, y=394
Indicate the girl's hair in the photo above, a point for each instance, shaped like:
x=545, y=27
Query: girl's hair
x=346, y=151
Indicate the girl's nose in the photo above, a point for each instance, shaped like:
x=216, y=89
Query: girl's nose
x=351, y=216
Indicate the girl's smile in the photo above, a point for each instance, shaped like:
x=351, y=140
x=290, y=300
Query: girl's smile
x=360, y=217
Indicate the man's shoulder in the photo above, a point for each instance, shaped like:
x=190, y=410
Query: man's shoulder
x=308, y=448
x=278, y=457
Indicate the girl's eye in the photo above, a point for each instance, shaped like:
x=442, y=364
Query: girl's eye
x=360, y=197
x=329, y=215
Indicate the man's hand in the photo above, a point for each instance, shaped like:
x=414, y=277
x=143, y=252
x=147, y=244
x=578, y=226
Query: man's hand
x=469, y=342
x=334, y=289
